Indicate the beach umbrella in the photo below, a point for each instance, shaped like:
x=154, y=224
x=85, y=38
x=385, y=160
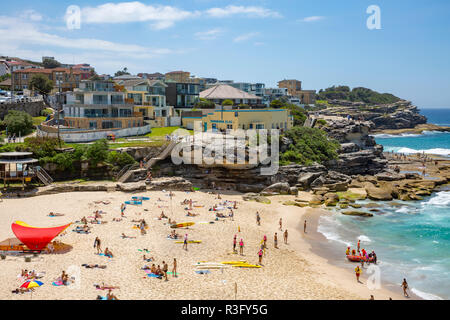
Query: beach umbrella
x=31, y=284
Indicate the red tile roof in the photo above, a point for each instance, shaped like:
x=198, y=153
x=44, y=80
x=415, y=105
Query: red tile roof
x=48, y=71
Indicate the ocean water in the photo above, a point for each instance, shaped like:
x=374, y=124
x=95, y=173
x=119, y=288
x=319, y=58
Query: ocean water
x=430, y=142
x=411, y=240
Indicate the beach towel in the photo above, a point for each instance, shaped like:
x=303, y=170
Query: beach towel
x=152, y=275
x=57, y=283
x=202, y=271
x=102, y=254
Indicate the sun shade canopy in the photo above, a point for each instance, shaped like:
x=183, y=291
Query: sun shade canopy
x=36, y=238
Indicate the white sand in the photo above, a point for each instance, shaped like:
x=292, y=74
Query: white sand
x=291, y=272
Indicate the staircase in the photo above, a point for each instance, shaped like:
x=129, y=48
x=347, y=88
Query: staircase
x=43, y=176
x=128, y=171
x=310, y=122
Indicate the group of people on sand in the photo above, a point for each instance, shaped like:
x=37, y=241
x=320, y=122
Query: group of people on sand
x=173, y=235
x=163, y=272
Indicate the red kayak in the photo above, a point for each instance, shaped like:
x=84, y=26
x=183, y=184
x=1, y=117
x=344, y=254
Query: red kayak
x=353, y=258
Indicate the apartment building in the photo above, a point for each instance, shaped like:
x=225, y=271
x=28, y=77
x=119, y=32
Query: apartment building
x=294, y=88
x=182, y=94
x=221, y=92
x=63, y=79
x=100, y=105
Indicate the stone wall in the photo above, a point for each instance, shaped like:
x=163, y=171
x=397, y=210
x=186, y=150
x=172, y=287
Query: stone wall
x=32, y=108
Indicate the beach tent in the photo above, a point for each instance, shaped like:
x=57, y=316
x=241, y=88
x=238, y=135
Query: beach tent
x=36, y=238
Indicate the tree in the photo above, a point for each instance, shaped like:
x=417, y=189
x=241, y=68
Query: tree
x=18, y=122
x=121, y=73
x=43, y=85
x=277, y=104
x=227, y=102
x=205, y=104
x=51, y=63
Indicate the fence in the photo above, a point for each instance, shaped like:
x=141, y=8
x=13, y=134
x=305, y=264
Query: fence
x=88, y=136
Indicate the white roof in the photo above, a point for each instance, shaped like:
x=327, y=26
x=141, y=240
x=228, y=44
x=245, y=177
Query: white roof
x=224, y=91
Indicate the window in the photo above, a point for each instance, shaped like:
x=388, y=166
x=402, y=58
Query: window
x=100, y=99
x=93, y=125
x=118, y=99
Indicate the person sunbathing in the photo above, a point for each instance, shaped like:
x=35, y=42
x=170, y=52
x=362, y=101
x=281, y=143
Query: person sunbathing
x=220, y=215
x=162, y=216
x=84, y=220
x=153, y=269
x=91, y=266
x=117, y=219
x=127, y=237
x=108, y=253
x=147, y=259
x=105, y=287
x=190, y=214
x=51, y=214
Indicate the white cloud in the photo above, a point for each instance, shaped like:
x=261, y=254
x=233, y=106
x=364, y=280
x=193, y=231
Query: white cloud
x=248, y=11
x=208, y=35
x=245, y=36
x=162, y=16
x=18, y=34
x=31, y=15
x=312, y=19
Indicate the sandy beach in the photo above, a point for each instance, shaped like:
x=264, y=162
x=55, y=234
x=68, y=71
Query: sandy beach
x=290, y=272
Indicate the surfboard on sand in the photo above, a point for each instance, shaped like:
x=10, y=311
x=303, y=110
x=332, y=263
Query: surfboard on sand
x=235, y=262
x=190, y=241
x=182, y=225
x=246, y=266
x=140, y=198
x=134, y=202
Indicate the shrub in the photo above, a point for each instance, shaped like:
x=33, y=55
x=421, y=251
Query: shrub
x=41, y=146
x=309, y=145
x=119, y=159
x=97, y=152
x=18, y=122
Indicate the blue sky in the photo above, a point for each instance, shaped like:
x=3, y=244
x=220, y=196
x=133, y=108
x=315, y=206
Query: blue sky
x=321, y=42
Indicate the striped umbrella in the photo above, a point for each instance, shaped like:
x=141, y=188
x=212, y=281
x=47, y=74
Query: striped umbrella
x=31, y=284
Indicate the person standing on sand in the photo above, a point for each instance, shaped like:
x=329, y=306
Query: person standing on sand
x=165, y=269
x=405, y=287
x=265, y=241
x=260, y=254
x=97, y=244
x=275, y=241
x=281, y=224
x=185, y=241
x=241, y=247
x=358, y=272
x=234, y=243
x=304, y=227
x=122, y=209
x=258, y=219
x=285, y=236
x=174, y=269
x=359, y=245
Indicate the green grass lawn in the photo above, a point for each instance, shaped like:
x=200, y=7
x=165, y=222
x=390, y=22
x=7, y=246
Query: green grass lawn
x=161, y=132
x=38, y=120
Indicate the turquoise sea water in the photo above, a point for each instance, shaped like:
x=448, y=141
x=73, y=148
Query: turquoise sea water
x=411, y=239
x=431, y=142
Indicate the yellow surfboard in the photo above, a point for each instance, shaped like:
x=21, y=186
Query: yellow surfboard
x=246, y=266
x=190, y=241
x=234, y=262
x=182, y=225
x=136, y=227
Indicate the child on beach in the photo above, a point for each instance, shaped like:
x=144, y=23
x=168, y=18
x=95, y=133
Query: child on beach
x=122, y=209
x=241, y=247
x=265, y=241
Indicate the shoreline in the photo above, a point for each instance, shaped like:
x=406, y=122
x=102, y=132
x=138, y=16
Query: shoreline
x=319, y=245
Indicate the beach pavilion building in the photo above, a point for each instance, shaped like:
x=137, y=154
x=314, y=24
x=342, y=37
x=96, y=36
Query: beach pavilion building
x=19, y=167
